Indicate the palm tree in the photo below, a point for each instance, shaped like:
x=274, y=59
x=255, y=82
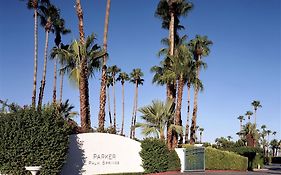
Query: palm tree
x=274, y=133
x=250, y=133
x=256, y=104
x=113, y=70
x=200, y=48
x=201, y=132
x=241, y=118
x=156, y=117
x=190, y=81
x=109, y=82
x=103, y=78
x=34, y=4
x=170, y=11
x=59, y=28
x=136, y=78
x=249, y=114
x=72, y=58
x=123, y=76
x=268, y=132
x=48, y=16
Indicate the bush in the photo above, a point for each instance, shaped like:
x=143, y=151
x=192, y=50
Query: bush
x=224, y=160
x=174, y=163
x=254, y=155
x=29, y=138
x=157, y=158
x=276, y=160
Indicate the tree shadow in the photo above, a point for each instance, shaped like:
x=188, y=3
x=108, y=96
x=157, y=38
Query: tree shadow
x=75, y=157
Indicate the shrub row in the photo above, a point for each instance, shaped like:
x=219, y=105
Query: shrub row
x=157, y=158
x=224, y=160
x=30, y=138
x=254, y=155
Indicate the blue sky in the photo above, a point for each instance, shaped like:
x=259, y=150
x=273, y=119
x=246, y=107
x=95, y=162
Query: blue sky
x=244, y=64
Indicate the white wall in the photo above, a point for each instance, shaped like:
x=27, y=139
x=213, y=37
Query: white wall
x=100, y=153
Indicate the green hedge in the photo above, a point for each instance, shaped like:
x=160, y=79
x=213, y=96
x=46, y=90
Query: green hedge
x=254, y=155
x=30, y=138
x=224, y=160
x=157, y=158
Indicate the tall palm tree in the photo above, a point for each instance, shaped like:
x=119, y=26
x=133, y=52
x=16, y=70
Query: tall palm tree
x=83, y=83
x=169, y=11
x=123, y=77
x=59, y=28
x=200, y=48
x=73, y=60
x=249, y=114
x=34, y=4
x=48, y=16
x=136, y=78
x=250, y=133
x=201, y=132
x=109, y=82
x=268, y=132
x=256, y=104
x=113, y=70
x=241, y=118
x=190, y=81
x=156, y=117
x=103, y=77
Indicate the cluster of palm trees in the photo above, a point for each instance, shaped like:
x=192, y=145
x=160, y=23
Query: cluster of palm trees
x=180, y=66
x=249, y=130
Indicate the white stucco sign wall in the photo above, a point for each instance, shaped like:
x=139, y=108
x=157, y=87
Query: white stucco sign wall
x=100, y=153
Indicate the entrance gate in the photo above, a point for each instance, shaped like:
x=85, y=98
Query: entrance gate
x=194, y=159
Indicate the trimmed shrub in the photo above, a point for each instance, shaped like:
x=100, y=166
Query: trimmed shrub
x=224, y=160
x=174, y=163
x=157, y=158
x=29, y=138
x=254, y=155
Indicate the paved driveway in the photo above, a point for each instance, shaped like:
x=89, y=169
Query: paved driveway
x=272, y=169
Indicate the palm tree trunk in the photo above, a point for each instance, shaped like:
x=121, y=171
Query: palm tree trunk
x=132, y=121
x=195, y=108
x=43, y=81
x=188, y=114
x=200, y=137
x=61, y=86
x=109, y=110
x=123, y=110
x=103, y=79
x=172, y=33
x=114, y=106
x=136, y=110
x=178, y=108
x=33, y=98
x=255, y=115
x=83, y=83
x=55, y=82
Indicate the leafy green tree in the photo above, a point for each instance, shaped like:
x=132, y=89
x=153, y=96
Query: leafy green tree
x=123, y=77
x=113, y=70
x=72, y=59
x=256, y=104
x=48, y=16
x=157, y=116
x=103, y=77
x=136, y=78
x=200, y=48
x=34, y=4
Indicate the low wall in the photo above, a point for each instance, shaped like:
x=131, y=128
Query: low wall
x=101, y=153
